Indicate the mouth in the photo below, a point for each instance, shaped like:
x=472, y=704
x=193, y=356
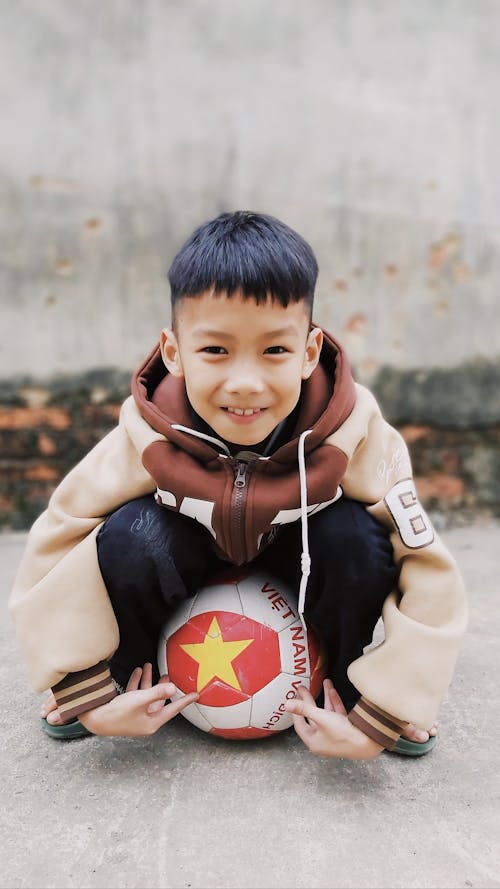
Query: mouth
x=244, y=411
x=243, y=416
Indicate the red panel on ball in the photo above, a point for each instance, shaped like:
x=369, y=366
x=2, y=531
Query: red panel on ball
x=247, y=733
x=317, y=658
x=226, y=657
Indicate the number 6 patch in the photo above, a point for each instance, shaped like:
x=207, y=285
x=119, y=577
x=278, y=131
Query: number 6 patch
x=412, y=521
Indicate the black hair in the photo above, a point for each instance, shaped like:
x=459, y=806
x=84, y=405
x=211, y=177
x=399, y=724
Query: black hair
x=253, y=253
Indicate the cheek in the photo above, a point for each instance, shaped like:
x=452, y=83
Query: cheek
x=195, y=390
x=200, y=384
x=290, y=380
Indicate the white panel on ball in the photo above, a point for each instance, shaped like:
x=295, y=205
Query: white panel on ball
x=294, y=650
x=275, y=606
x=266, y=703
x=192, y=713
x=217, y=597
x=233, y=716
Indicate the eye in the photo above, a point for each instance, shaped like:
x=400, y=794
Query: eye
x=214, y=350
x=276, y=350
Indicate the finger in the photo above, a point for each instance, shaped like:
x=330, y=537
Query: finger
x=157, y=695
x=174, y=707
x=135, y=678
x=305, y=695
x=156, y=706
x=147, y=675
x=301, y=707
x=335, y=702
x=327, y=688
x=304, y=729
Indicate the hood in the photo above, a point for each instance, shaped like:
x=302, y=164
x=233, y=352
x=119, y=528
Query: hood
x=242, y=502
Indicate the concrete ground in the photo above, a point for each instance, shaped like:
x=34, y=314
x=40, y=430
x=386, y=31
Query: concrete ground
x=183, y=809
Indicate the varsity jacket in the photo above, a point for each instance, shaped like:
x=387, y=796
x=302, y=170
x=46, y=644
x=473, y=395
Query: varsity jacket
x=341, y=446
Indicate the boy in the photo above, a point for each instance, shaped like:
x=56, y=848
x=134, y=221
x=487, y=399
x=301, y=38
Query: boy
x=245, y=439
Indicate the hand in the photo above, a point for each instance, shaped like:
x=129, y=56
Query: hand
x=140, y=711
x=328, y=732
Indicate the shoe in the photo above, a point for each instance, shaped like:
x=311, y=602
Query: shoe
x=405, y=747
x=66, y=731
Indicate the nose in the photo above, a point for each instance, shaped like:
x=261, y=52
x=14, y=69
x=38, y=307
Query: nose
x=244, y=379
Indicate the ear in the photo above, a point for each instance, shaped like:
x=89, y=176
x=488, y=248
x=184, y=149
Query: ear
x=312, y=352
x=170, y=352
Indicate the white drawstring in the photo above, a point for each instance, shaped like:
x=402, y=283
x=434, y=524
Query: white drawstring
x=202, y=435
x=305, y=559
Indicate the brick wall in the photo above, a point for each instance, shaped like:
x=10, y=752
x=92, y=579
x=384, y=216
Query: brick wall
x=46, y=429
x=457, y=471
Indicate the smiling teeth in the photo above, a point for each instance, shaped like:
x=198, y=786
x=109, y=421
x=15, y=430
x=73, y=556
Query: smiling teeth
x=243, y=413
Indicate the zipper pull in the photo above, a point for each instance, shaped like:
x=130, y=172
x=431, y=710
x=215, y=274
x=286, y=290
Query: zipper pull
x=241, y=476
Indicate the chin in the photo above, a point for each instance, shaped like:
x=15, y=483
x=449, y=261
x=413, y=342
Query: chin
x=246, y=440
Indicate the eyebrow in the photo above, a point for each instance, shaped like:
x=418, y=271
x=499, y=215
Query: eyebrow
x=288, y=330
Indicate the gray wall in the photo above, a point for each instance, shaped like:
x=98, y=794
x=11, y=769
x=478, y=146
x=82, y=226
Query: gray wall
x=372, y=127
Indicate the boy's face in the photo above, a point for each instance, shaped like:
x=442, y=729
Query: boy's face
x=242, y=363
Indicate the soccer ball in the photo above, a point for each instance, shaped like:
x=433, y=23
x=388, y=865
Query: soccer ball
x=239, y=642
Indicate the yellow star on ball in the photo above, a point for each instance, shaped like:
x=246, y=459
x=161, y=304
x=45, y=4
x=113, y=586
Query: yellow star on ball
x=215, y=657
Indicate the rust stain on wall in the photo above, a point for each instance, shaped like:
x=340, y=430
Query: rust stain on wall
x=442, y=251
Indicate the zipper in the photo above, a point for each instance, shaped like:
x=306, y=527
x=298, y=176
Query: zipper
x=241, y=476
x=237, y=518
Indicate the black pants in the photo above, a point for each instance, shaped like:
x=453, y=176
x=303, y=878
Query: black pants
x=152, y=558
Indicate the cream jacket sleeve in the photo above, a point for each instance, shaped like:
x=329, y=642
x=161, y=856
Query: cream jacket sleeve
x=62, y=613
x=424, y=620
